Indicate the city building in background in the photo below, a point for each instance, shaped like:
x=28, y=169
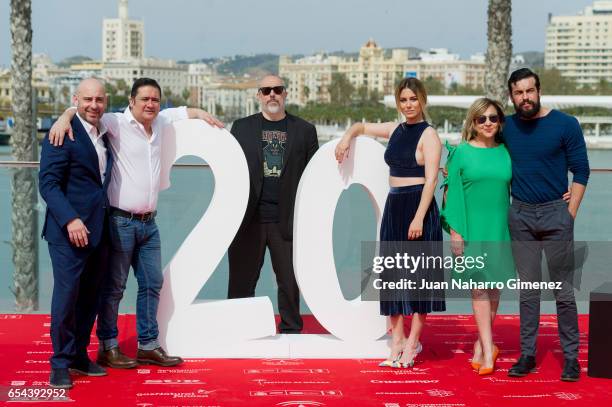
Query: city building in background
x=171, y=76
x=122, y=38
x=580, y=46
x=43, y=69
x=376, y=70
x=308, y=79
x=199, y=78
x=124, y=58
x=231, y=99
x=449, y=68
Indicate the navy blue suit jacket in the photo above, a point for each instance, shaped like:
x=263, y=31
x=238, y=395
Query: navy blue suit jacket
x=70, y=183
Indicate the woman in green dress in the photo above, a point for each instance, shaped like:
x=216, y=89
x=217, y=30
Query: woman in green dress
x=475, y=213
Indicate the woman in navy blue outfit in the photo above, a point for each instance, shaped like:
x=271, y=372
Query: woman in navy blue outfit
x=411, y=214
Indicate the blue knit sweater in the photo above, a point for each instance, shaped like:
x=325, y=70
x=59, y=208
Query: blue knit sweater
x=542, y=151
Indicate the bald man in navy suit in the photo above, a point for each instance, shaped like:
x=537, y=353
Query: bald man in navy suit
x=73, y=181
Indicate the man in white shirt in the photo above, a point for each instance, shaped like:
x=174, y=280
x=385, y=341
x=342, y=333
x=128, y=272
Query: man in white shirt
x=135, y=140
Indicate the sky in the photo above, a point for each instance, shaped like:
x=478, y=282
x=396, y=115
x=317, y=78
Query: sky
x=194, y=29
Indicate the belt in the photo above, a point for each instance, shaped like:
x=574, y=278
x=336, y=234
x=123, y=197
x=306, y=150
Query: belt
x=543, y=205
x=143, y=217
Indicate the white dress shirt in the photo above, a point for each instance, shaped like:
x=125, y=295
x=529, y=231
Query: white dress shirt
x=135, y=177
x=95, y=136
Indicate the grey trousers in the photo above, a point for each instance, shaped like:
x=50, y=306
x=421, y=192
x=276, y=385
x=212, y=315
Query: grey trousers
x=548, y=228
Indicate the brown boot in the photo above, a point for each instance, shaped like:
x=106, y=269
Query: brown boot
x=157, y=357
x=115, y=359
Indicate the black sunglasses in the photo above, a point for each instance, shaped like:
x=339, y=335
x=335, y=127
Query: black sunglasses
x=483, y=119
x=278, y=90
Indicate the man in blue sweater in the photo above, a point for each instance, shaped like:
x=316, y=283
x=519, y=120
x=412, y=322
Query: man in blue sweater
x=544, y=144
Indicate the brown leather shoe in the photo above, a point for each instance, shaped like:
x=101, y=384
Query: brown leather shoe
x=157, y=357
x=115, y=359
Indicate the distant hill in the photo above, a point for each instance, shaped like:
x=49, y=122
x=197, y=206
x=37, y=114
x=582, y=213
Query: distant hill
x=254, y=65
x=260, y=64
x=77, y=59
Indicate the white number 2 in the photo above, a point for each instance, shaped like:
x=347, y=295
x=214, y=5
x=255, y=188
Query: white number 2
x=245, y=327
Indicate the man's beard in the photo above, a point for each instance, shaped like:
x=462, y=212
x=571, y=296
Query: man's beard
x=273, y=108
x=528, y=114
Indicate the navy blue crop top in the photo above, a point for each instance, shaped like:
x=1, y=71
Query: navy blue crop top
x=400, y=153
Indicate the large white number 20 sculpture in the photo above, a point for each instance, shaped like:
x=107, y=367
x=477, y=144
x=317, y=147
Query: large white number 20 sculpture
x=245, y=327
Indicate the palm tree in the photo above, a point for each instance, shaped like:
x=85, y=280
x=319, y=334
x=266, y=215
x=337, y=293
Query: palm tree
x=24, y=193
x=499, y=49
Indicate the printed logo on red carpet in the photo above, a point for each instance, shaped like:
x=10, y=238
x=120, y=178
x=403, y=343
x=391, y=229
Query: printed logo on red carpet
x=399, y=372
x=323, y=393
x=567, y=396
x=277, y=371
x=497, y=380
x=263, y=382
x=172, y=371
x=173, y=382
x=10, y=316
x=374, y=381
x=440, y=393
x=199, y=393
x=559, y=395
x=18, y=383
x=282, y=362
x=424, y=405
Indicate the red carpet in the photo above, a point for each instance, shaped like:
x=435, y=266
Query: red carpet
x=441, y=377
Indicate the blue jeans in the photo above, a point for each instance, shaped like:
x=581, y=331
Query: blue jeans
x=137, y=244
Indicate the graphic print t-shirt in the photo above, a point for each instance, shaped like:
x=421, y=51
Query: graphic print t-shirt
x=273, y=141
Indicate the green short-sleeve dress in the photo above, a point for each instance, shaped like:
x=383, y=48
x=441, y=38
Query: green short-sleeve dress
x=476, y=207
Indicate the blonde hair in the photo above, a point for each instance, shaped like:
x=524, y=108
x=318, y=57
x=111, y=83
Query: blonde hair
x=418, y=88
x=477, y=109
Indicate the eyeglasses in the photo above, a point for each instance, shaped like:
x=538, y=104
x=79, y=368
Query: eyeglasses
x=278, y=90
x=483, y=119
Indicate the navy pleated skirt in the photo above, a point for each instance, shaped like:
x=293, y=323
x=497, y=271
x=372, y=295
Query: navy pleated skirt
x=400, y=208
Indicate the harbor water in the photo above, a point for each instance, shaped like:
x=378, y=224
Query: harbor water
x=181, y=206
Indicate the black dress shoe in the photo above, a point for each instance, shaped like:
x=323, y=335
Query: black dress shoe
x=60, y=379
x=524, y=366
x=87, y=368
x=115, y=359
x=157, y=357
x=571, y=370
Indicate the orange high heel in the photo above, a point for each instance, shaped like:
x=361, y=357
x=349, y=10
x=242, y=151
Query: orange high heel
x=489, y=370
x=475, y=365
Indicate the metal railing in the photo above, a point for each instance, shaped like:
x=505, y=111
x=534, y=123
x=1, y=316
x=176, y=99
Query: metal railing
x=35, y=164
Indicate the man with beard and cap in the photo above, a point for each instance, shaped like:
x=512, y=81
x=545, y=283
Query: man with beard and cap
x=277, y=146
x=544, y=144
